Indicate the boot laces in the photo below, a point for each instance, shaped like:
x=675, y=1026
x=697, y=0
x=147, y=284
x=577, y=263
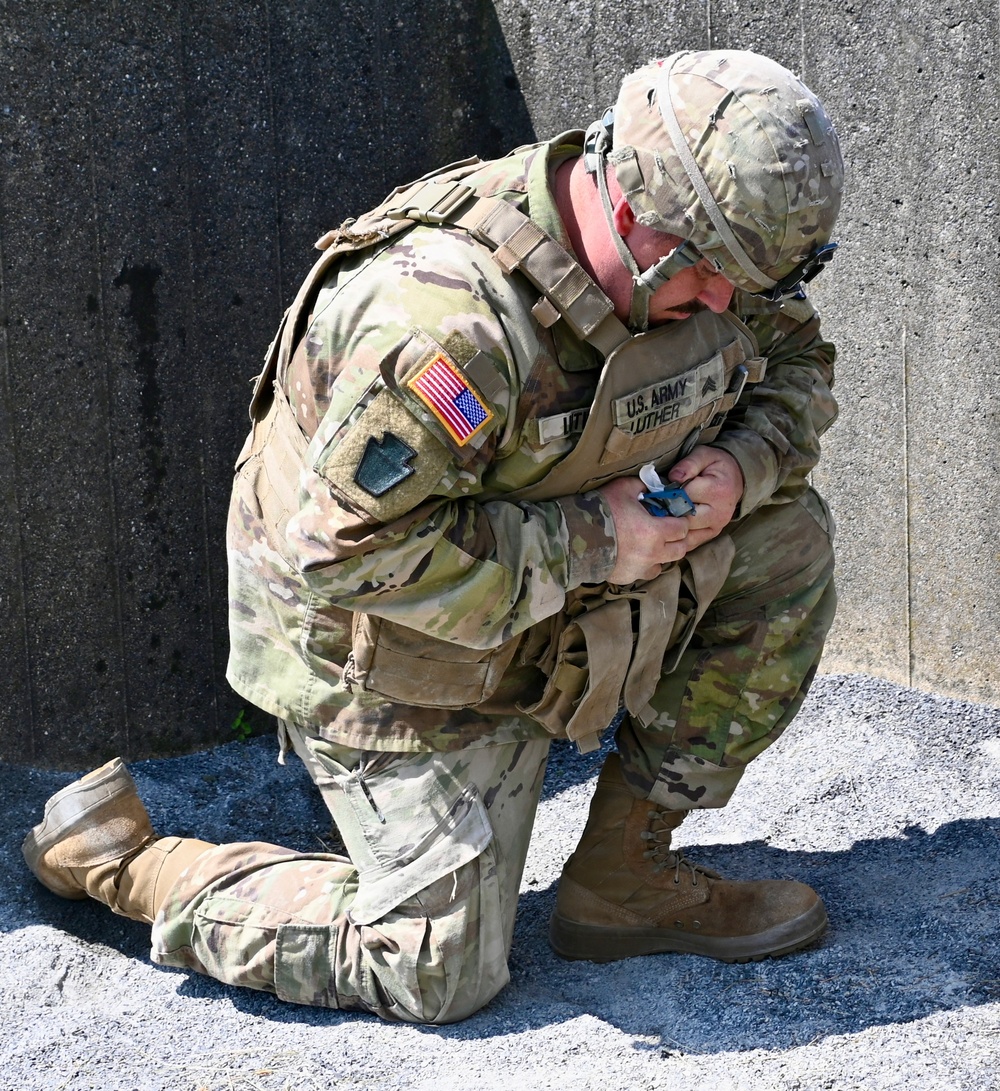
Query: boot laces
x=664, y=856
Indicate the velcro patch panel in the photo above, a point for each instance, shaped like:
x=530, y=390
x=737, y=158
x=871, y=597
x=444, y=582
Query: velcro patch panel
x=670, y=399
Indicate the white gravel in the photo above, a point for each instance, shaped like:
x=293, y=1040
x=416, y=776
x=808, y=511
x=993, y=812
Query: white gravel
x=885, y=800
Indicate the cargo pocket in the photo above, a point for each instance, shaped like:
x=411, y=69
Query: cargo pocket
x=406, y=822
x=452, y=841
x=304, y=970
x=414, y=669
x=235, y=939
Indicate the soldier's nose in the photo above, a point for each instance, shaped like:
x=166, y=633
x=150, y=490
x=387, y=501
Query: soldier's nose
x=716, y=294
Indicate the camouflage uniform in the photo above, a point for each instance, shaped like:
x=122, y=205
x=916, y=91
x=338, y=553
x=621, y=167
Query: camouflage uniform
x=415, y=927
x=401, y=517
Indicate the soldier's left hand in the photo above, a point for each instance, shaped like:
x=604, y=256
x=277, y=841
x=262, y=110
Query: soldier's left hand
x=713, y=480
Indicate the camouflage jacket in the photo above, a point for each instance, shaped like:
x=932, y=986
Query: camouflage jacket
x=400, y=512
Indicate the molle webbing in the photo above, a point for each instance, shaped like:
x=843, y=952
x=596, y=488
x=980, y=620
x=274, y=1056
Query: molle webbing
x=611, y=650
x=520, y=244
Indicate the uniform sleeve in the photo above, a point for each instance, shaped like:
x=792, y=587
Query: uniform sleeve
x=396, y=513
x=774, y=431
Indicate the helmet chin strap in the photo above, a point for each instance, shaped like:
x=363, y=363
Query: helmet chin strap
x=597, y=143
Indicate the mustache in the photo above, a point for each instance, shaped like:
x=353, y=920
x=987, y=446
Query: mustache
x=694, y=307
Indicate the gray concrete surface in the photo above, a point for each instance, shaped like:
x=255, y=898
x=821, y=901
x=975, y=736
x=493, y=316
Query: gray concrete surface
x=164, y=169
x=884, y=799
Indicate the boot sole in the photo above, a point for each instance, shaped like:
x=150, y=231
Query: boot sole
x=63, y=811
x=594, y=943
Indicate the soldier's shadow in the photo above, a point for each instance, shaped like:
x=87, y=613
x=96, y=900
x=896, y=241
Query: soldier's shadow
x=914, y=930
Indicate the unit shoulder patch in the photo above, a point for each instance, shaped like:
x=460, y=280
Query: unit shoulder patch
x=387, y=462
x=384, y=464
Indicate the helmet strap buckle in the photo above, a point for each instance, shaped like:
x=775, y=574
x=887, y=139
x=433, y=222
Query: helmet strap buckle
x=681, y=257
x=598, y=140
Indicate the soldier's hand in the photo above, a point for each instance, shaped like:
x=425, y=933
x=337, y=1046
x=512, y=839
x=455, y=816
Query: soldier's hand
x=645, y=542
x=713, y=480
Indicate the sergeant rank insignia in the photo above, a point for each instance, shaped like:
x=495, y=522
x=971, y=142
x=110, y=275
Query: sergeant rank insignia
x=447, y=394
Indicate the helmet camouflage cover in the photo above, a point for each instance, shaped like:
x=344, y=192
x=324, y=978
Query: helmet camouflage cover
x=729, y=150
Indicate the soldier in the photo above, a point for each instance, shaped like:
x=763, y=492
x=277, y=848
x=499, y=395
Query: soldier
x=450, y=541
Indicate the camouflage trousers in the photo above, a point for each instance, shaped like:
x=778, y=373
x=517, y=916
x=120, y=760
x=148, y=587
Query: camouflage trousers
x=748, y=667
x=417, y=924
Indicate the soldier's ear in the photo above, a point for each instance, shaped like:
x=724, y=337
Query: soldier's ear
x=623, y=217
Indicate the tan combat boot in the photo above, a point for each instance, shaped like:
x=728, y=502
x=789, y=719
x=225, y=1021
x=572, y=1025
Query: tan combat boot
x=625, y=892
x=95, y=839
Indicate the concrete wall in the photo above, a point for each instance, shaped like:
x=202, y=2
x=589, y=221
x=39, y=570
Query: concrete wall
x=164, y=168
x=912, y=299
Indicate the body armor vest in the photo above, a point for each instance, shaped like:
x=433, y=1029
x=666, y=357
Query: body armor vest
x=658, y=395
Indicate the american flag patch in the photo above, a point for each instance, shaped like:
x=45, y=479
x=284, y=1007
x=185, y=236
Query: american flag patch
x=447, y=394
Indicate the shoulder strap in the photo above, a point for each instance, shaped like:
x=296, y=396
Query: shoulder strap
x=281, y=347
x=372, y=228
x=516, y=241
x=519, y=243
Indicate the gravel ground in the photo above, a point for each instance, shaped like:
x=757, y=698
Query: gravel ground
x=884, y=799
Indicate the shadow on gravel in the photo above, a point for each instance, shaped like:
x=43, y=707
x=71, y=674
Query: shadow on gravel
x=239, y=780
x=915, y=929
x=914, y=920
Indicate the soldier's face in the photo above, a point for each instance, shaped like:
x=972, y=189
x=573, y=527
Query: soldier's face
x=691, y=290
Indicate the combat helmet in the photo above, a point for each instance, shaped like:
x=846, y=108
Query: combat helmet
x=732, y=153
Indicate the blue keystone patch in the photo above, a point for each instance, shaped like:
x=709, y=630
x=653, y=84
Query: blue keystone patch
x=384, y=464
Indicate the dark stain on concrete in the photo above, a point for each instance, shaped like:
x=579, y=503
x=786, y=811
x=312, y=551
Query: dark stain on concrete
x=142, y=308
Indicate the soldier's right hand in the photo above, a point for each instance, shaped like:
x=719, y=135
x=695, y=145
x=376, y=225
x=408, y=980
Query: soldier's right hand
x=645, y=542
